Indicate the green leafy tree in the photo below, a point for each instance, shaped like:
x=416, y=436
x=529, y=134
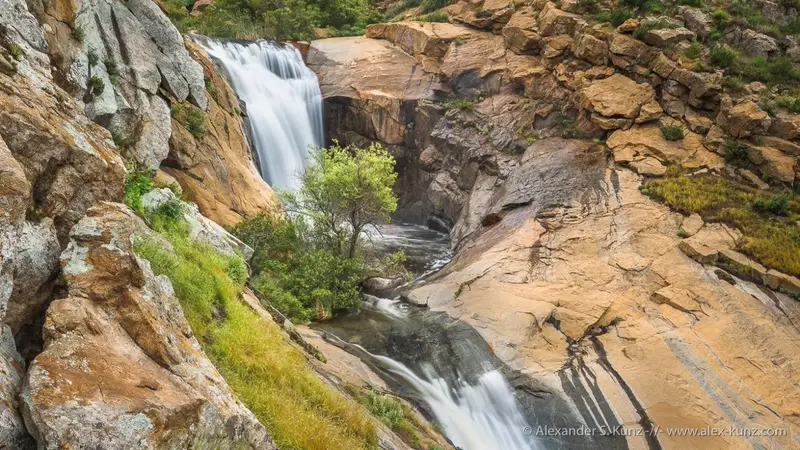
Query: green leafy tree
x=345, y=190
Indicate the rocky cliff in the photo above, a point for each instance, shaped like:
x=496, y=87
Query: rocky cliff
x=107, y=358
x=527, y=129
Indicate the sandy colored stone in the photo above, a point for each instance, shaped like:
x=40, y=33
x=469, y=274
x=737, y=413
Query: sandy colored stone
x=616, y=96
x=744, y=119
x=419, y=38
x=648, y=140
x=553, y=21
x=692, y=224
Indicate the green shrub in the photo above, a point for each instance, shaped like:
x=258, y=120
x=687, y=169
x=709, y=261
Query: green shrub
x=301, y=281
x=723, y=56
x=792, y=27
x=672, y=132
x=734, y=83
x=462, y=104
x=137, y=183
x=790, y=102
x=93, y=58
x=78, y=34
x=694, y=50
x=735, y=153
x=777, y=204
x=432, y=5
x=483, y=13
x=695, y=3
x=111, y=67
x=168, y=216
x=16, y=51
x=437, y=16
x=196, y=122
x=616, y=17
x=96, y=86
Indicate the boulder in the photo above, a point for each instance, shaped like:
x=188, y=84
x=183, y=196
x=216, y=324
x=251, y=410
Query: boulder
x=591, y=49
x=754, y=43
x=773, y=163
x=785, y=125
x=668, y=36
x=553, y=21
x=701, y=84
x=662, y=65
x=489, y=14
x=555, y=46
x=616, y=96
x=744, y=119
x=783, y=283
x=201, y=229
x=696, y=20
x=520, y=32
x=647, y=140
x=381, y=286
x=628, y=26
x=698, y=122
x=650, y=111
x=419, y=38
x=120, y=322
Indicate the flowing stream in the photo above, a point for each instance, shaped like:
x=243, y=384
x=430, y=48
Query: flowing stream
x=443, y=364
x=284, y=103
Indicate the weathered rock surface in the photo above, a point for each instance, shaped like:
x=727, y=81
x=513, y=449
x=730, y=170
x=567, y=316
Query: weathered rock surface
x=13, y=434
x=120, y=368
x=616, y=96
x=419, y=38
x=647, y=140
x=134, y=50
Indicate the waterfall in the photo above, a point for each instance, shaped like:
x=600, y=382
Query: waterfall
x=284, y=103
x=480, y=416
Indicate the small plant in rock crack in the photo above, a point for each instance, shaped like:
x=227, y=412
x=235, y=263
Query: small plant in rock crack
x=16, y=51
x=96, y=86
x=672, y=132
x=78, y=34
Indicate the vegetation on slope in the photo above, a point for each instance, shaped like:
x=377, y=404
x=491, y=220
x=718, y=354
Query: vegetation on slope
x=286, y=20
x=309, y=264
x=768, y=221
x=268, y=375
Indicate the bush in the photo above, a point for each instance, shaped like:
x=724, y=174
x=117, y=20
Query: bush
x=168, y=216
x=137, y=183
x=437, y=16
x=695, y=3
x=735, y=153
x=78, y=34
x=16, y=51
x=792, y=27
x=616, y=17
x=723, y=56
x=672, y=132
x=734, y=83
x=462, y=104
x=433, y=5
x=96, y=86
x=300, y=280
x=269, y=375
x=694, y=50
x=196, y=122
x=777, y=204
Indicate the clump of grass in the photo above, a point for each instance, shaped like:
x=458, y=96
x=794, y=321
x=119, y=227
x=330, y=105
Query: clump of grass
x=436, y=17
x=767, y=237
x=483, y=13
x=462, y=104
x=735, y=153
x=694, y=3
x=191, y=117
x=616, y=17
x=734, y=83
x=137, y=183
x=683, y=234
x=672, y=132
x=267, y=374
x=16, y=51
x=78, y=34
x=93, y=58
x=694, y=50
x=385, y=407
x=723, y=56
x=777, y=204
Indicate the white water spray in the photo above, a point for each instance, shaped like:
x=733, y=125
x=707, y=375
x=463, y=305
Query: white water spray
x=474, y=417
x=284, y=103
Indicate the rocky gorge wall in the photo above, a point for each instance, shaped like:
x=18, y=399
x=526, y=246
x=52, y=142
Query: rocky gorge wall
x=527, y=132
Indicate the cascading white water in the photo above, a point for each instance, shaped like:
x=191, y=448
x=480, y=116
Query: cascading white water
x=474, y=417
x=284, y=103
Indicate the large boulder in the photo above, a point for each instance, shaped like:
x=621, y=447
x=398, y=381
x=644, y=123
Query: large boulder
x=666, y=37
x=520, y=32
x=591, y=49
x=616, y=96
x=743, y=119
x=696, y=20
x=120, y=367
x=553, y=21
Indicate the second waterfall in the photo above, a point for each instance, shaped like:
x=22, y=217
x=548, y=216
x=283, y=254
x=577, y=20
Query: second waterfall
x=284, y=103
